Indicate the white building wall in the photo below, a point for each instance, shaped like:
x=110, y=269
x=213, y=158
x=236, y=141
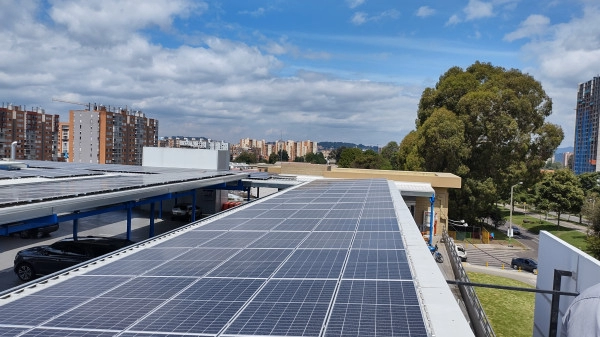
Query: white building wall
x=186, y=158
x=86, y=135
x=553, y=254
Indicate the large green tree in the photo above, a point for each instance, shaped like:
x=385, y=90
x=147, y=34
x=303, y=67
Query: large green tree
x=390, y=152
x=486, y=124
x=560, y=192
x=246, y=157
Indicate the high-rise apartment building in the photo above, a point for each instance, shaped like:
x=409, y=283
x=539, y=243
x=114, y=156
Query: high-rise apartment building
x=35, y=131
x=110, y=137
x=63, y=141
x=586, y=127
x=263, y=149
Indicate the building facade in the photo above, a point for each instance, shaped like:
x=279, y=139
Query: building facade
x=35, y=132
x=263, y=149
x=192, y=143
x=586, y=127
x=110, y=137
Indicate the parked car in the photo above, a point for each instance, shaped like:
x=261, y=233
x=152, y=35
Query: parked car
x=461, y=252
x=524, y=264
x=34, y=233
x=42, y=260
x=184, y=211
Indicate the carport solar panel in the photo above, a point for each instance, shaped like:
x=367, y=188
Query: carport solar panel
x=323, y=259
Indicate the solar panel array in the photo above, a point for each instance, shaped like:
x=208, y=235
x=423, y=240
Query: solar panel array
x=102, y=179
x=323, y=259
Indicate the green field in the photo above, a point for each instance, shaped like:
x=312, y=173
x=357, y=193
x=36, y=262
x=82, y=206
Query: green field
x=509, y=312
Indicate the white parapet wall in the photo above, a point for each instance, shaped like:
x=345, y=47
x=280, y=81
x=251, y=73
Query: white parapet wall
x=186, y=158
x=556, y=254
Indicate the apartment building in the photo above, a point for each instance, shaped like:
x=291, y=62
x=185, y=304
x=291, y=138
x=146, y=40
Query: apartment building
x=192, y=143
x=63, y=141
x=586, y=127
x=110, y=136
x=263, y=149
x=35, y=132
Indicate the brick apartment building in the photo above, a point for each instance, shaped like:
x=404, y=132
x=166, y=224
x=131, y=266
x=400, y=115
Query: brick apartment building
x=35, y=131
x=110, y=136
x=263, y=150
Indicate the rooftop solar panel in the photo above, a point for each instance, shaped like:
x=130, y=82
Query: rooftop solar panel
x=280, y=267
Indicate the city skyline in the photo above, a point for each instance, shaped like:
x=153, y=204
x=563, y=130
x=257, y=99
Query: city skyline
x=349, y=71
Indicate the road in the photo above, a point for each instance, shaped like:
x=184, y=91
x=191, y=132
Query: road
x=108, y=224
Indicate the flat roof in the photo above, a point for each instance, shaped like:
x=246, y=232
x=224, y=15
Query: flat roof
x=325, y=258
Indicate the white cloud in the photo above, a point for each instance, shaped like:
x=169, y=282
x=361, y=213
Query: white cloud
x=354, y=3
x=218, y=88
x=566, y=55
x=478, y=9
x=108, y=21
x=255, y=13
x=425, y=11
x=359, y=18
x=534, y=25
x=454, y=19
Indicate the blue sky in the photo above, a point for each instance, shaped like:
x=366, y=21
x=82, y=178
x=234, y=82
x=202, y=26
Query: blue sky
x=299, y=69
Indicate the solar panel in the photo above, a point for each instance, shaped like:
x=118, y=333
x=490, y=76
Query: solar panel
x=322, y=259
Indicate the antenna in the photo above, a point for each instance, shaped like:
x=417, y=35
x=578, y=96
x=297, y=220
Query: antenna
x=88, y=105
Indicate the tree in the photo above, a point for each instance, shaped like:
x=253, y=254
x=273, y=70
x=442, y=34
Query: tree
x=390, y=153
x=246, y=157
x=593, y=234
x=317, y=158
x=348, y=156
x=371, y=160
x=273, y=158
x=336, y=154
x=283, y=155
x=560, y=192
x=487, y=125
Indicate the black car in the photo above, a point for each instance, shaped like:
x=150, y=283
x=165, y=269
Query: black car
x=524, y=264
x=516, y=230
x=43, y=260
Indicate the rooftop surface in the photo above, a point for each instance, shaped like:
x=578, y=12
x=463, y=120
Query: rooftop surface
x=325, y=258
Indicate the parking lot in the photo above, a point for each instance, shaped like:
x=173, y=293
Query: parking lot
x=108, y=224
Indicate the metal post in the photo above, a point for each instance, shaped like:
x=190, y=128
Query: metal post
x=151, y=234
x=75, y=229
x=556, y=301
x=510, y=233
x=129, y=222
x=431, y=216
x=194, y=206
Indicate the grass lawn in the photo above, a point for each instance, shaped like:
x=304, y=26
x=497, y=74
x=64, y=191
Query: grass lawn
x=510, y=312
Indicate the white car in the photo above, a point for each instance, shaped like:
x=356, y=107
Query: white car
x=185, y=211
x=461, y=252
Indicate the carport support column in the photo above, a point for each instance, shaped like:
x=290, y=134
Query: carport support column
x=558, y=274
x=194, y=205
x=151, y=234
x=129, y=222
x=75, y=226
x=431, y=216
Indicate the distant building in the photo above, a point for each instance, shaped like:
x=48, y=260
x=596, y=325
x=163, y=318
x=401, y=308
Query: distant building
x=263, y=149
x=63, y=141
x=193, y=143
x=35, y=131
x=110, y=137
x=586, y=127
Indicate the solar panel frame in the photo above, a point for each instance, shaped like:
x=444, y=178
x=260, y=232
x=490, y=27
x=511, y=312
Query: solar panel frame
x=285, y=268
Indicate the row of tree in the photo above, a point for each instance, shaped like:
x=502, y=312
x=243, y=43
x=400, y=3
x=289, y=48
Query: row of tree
x=250, y=157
